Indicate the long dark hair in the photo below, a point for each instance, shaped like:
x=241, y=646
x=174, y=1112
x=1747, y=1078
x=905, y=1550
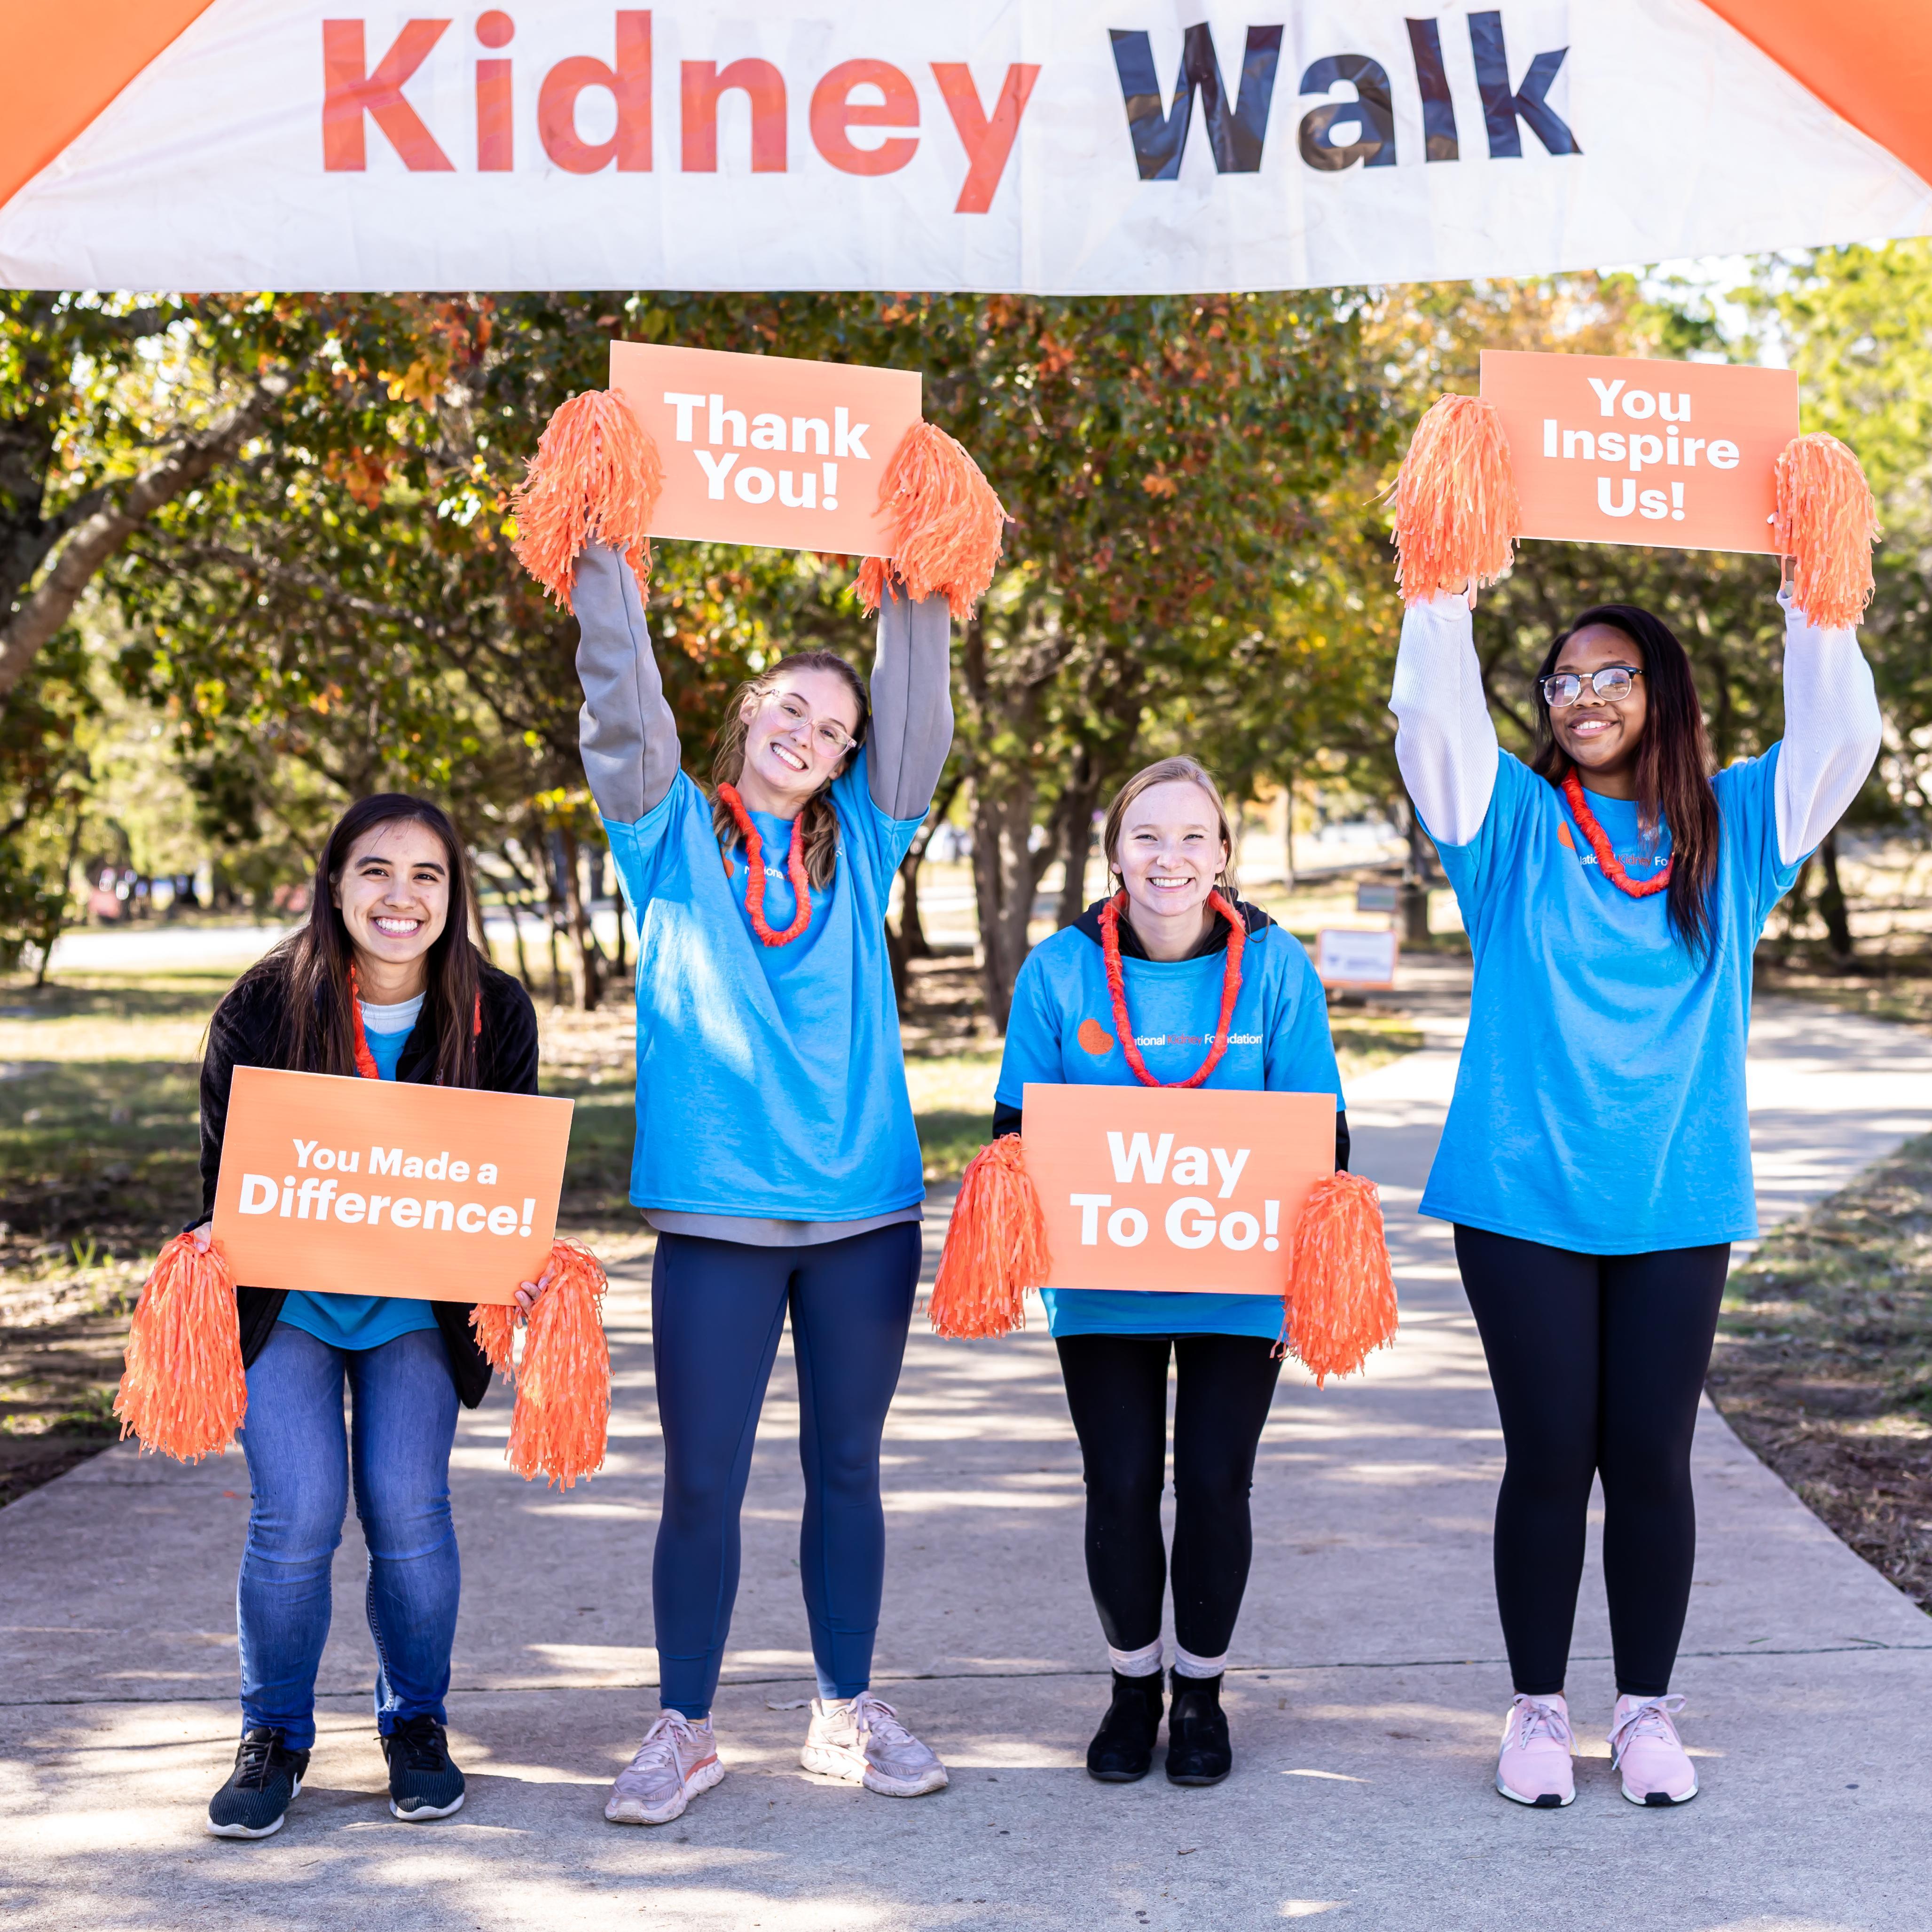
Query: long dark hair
x=1673, y=761
x=728, y=764
x=312, y=965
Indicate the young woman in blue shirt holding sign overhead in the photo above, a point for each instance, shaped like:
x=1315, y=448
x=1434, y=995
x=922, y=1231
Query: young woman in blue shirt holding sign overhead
x=1596, y=1161
x=776, y=1155
x=1172, y=981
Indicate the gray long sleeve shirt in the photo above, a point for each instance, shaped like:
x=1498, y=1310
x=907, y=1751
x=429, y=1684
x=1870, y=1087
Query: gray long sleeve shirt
x=629, y=743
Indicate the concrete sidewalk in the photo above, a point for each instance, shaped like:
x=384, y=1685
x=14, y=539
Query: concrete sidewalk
x=1369, y=1691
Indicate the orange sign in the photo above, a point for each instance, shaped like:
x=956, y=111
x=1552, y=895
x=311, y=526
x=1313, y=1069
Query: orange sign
x=1623, y=449
x=764, y=449
x=1155, y=1187
x=384, y=1187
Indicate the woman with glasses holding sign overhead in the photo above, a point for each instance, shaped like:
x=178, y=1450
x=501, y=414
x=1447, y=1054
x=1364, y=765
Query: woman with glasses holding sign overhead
x=776, y=1155
x=1173, y=981
x=1596, y=1161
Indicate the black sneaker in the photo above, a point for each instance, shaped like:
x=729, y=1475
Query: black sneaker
x=1122, y=1747
x=1197, y=1751
x=423, y=1782
x=255, y=1800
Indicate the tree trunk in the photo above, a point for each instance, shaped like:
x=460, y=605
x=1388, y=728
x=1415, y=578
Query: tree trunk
x=1287, y=829
x=585, y=957
x=1414, y=896
x=51, y=931
x=911, y=939
x=1832, y=902
x=1005, y=872
x=1074, y=822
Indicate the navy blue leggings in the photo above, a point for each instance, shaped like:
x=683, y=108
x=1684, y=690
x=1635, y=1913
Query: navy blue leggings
x=717, y=1309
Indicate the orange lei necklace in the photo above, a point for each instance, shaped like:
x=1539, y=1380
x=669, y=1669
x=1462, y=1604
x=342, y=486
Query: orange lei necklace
x=1117, y=986
x=365, y=1061
x=1611, y=866
x=755, y=858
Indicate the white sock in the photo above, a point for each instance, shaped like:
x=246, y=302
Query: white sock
x=1186, y=1664
x=1144, y=1662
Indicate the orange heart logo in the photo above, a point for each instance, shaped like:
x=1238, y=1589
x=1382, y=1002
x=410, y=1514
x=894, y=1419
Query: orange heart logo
x=1563, y=836
x=1095, y=1038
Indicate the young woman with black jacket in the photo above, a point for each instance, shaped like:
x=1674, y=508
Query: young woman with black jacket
x=384, y=982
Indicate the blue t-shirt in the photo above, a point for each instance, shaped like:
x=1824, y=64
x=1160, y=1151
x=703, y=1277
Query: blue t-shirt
x=770, y=1083
x=1600, y=1105
x=1278, y=1042
x=361, y=1321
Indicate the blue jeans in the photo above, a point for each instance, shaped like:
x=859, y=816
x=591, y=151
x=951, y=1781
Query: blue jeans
x=717, y=1309
x=300, y=1460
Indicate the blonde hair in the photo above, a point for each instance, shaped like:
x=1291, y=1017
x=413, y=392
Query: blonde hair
x=728, y=764
x=1169, y=771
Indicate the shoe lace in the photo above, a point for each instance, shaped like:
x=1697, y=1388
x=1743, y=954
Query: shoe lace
x=420, y=1741
x=1540, y=1719
x=256, y=1760
x=672, y=1735
x=874, y=1714
x=1651, y=1718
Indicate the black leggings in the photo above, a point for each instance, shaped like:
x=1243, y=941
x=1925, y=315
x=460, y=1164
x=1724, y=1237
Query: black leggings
x=1116, y=1389
x=1598, y=1361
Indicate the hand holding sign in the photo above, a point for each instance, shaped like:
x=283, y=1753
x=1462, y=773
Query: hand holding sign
x=1615, y=449
x=759, y=449
x=1206, y=1190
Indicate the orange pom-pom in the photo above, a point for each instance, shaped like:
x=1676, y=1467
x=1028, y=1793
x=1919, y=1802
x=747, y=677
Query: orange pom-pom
x=1827, y=524
x=594, y=479
x=495, y=1323
x=183, y=1391
x=1341, y=1291
x=945, y=524
x=1456, y=515
x=995, y=1248
x=562, y=1414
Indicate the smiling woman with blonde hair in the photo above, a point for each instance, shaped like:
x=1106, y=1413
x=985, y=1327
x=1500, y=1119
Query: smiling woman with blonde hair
x=382, y=981
x=1172, y=981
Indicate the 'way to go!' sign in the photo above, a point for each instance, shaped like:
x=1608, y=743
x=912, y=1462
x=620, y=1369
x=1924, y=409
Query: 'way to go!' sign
x=764, y=449
x=1628, y=449
x=1172, y=1188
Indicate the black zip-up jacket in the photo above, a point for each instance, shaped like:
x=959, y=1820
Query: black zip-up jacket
x=1007, y=1120
x=247, y=1031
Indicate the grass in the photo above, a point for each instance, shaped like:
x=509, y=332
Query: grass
x=99, y=1156
x=1823, y=1363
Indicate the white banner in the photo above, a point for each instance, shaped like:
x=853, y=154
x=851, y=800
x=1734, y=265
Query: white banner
x=1057, y=146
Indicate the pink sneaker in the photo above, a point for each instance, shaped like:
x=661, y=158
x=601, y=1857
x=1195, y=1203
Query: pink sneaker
x=1534, y=1766
x=1645, y=1747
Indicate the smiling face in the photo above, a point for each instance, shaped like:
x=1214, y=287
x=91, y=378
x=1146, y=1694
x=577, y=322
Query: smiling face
x=1600, y=735
x=1171, y=849
x=394, y=894
x=798, y=736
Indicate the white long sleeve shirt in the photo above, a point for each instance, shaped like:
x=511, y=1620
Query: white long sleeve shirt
x=1446, y=745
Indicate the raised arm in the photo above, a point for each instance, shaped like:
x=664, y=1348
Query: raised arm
x=912, y=705
x=1831, y=730
x=626, y=731
x=1444, y=743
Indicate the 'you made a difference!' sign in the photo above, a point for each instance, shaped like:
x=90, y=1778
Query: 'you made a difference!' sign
x=1628, y=449
x=764, y=449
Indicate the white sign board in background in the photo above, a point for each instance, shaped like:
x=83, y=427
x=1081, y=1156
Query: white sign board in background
x=1344, y=956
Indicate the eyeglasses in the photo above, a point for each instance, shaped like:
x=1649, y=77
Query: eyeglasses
x=1612, y=681
x=830, y=739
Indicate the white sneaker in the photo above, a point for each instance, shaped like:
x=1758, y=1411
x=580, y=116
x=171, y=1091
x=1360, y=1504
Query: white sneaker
x=863, y=1742
x=677, y=1762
